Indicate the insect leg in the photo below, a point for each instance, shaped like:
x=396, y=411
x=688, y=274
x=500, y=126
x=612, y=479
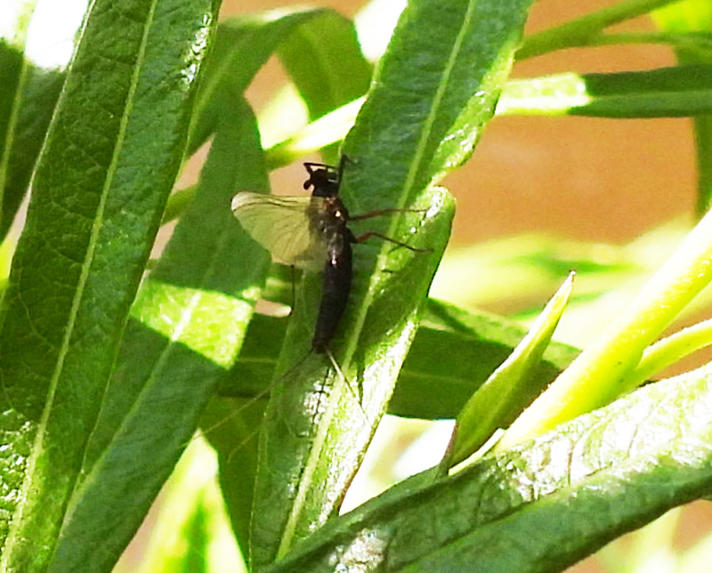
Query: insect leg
x=380, y=212
x=366, y=236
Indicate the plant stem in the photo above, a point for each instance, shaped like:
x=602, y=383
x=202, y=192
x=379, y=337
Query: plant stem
x=578, y=32
x=670, y=350
x=602, y=371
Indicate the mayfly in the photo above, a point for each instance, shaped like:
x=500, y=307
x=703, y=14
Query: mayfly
x=312, y=233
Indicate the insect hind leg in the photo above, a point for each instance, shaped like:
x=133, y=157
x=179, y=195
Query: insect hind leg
x=365, y=236
x=380, y=212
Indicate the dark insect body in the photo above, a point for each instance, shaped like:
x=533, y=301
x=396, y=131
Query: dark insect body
x=309, y=232
x=331, y=223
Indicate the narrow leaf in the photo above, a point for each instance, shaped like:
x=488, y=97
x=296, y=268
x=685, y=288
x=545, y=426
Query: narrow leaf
x=231, y=426
x=688, y=17
x=481, y=341
x=600, y=373
x=511, y=387
x=109, y=160
x=242, y=46
x=188, y=322
x=189, y=532
x=30, y=91
x=682, y=91
x=323, y=59
x=580, y=31
x=13, y=37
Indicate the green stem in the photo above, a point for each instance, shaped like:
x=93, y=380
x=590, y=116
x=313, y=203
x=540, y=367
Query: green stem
x=670, y=350
x=600, y=373
x=578, y=32
x=686, y=41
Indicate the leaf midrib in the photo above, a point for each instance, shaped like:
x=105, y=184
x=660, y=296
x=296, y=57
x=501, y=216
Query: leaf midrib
x=97, y=224
x=360, y=318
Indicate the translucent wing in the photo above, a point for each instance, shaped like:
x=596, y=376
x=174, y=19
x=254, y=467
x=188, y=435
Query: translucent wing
x=283, y=226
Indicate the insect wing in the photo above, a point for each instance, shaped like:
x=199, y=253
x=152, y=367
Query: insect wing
x=283, y=226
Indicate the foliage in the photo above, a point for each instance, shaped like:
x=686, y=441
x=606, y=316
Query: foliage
x=108, y=370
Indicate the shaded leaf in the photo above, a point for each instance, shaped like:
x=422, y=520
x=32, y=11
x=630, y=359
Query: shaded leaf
x=27, y=100
x=481, y=341
x=323, y=59
x=188, y=322
x=241, y=47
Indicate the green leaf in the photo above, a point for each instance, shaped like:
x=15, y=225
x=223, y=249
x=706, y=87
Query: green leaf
x=692, y=16
x=607, y=366
x=294, y=441
x=541, y=506
x=668, y=92
x=323, y=59
x=241, y=47
x=480, y=340
x=587, y=29
x=231, y=426
x=189, y=320
x=13, y=37
x=26, y=103
x=671, y=350
x=108, y=163
x=510, y=388
x=328, y=129
x=412, y=129
x=34, y=104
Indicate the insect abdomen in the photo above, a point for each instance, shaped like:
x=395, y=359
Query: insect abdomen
x=335, y=295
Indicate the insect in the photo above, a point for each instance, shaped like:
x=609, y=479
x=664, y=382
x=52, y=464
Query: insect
x=311, y=232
